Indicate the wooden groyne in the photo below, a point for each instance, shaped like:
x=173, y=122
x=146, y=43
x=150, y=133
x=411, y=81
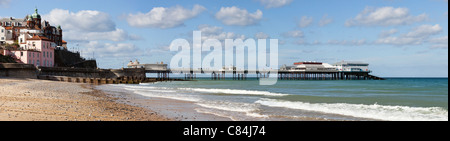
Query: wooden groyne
x=98, y=81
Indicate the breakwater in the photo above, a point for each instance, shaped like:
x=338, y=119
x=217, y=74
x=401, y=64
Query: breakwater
x=78, y=75
x=18, y=70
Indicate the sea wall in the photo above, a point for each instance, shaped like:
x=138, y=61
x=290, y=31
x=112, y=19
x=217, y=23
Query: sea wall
x=76, y=72
x=92, y=73
x=17, y=70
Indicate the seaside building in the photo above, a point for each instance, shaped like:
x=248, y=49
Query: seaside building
x=309, y=66
x=343, y=66
x=229, y=68
x=2, y=35
x=30, y=40
x=157, y=66
x=348, y=66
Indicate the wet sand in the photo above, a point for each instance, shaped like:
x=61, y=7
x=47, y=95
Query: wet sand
x=41, y=100
x=174, y=109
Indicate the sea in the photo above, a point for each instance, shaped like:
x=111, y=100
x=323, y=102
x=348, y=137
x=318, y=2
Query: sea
x=394, y=99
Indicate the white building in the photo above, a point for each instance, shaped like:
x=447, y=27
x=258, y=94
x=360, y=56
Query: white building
x=2, y=35
x=10, y=28
x=309, y=67
x=353, y=66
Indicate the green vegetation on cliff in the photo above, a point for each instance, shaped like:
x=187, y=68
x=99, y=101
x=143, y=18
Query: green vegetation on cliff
x=6, y=59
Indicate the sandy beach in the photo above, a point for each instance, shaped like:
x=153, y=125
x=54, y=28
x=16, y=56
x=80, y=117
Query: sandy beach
x=41, y=100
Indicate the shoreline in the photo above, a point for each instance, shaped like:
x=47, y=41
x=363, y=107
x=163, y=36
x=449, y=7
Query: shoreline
x=176, y=110
x=43, y=100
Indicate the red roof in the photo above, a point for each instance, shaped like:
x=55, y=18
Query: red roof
x=35, y=37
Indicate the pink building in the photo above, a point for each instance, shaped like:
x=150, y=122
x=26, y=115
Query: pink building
x=37, y=50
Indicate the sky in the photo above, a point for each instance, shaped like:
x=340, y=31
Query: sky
x=398, y=38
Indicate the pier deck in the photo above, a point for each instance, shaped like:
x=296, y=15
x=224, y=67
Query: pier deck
x=191, y=74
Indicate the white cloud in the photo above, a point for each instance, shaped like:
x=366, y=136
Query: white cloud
x=107, y=50
x=399, y=41
x=388, y=33
x=301, y=42
x=305, y=21
x=87, y=25
x=162, y=17
x=385, y=16
x=440, y=42
x=425, y=31
x=333, y=42
x=325, y=20
x=85, y=20
x=274, y=3
x=237, y=16
x=4, y=3
x=214, y=32
x=416, y=36
x=293, y=34
x=261, y=35
x=347, y=42
x=116, y=35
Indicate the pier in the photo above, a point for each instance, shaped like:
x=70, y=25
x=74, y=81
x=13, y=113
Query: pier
x=300, y=71
x=282, y=75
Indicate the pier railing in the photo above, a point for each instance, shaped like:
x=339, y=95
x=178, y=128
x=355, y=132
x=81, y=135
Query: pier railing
x=190, y=74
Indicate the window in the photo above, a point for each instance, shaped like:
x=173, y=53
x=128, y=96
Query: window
x=21, y=53
x=37, y=63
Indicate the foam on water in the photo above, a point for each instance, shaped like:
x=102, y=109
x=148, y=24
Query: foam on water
x=168, y=96
x=234, y=91
x=250, y=109
x=220, y=114
x=375, y=111
x=150, y=90
x=229, y=106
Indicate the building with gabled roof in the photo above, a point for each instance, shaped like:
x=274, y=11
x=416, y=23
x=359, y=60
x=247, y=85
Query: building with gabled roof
x=34, y=40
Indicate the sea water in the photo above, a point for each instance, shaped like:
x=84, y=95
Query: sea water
x=398, y=99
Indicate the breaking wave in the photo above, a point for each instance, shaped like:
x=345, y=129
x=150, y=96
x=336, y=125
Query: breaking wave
x=234, y=91
x=375, y=111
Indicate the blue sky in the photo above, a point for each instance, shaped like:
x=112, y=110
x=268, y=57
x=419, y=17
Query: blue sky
x=399, y=38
